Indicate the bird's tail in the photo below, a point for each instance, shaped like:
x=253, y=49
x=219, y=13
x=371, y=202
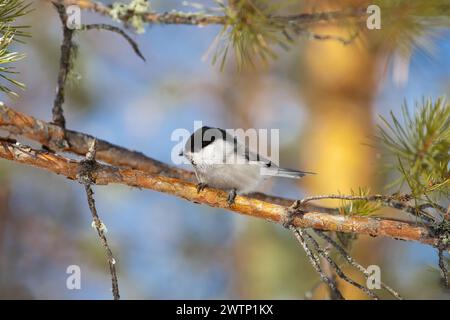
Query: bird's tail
x=287, y=173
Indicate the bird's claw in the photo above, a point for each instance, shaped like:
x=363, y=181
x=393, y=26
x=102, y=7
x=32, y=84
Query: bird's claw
x=201, y=186
x=231, y=197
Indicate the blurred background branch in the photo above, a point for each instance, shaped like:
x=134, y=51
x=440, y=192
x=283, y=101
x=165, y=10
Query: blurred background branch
x=252, y=28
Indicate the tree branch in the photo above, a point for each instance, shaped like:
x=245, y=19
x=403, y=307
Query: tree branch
x=50, y=135
x=105, y=174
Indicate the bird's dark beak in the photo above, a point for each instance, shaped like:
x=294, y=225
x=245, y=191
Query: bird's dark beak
x=181, y=153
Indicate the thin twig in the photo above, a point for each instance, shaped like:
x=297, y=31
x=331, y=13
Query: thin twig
x=104, y=26
x=313, y=259
x=443, y=267
x=336, y=268
x=353, y=262
x=48, y=134
x=84, y=177
x=64, y=66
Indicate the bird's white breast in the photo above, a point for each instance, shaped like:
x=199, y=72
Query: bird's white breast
x=219, y=166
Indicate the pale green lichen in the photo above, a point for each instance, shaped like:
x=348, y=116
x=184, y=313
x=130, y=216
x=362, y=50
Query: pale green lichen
x=133, y=12
x=139, y=6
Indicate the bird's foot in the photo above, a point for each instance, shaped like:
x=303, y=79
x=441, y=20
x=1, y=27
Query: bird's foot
x=201, y=186
x=231, y=197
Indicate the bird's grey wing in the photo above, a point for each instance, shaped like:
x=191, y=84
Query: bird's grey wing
x=267, y=167
x=286, y=173
x=270, y=169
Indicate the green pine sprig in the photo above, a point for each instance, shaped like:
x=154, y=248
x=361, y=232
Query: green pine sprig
x=420, y=144
x=249, y=33
x=10, y=10
x=359, y=207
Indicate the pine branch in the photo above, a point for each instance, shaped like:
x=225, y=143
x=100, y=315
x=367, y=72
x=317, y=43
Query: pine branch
x=50, y=136
x=419, y=143
x=208, y=19
x=106, y=174
x=140, y=171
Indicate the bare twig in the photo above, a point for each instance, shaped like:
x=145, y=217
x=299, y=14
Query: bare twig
x=64, y=66
x=104, y=26
x=325, y=37
x=314, y=260
x=85, y=177
x=388, y=201
x=443, y=267
x=336, y=268
x=353, y=262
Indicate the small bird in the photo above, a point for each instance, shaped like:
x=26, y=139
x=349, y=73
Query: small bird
x=220, y=161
